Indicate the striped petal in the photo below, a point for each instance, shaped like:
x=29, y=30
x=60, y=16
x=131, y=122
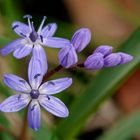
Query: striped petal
x=34, y=115
x=12, y=46
x=112, y=60
x=15, y=103
x=104, y=50
x=94, y=61
x=125, y=58
x=55, y=42
x=54, y=106
x=49, y=30
x=55, y=86
x=16, y=83
x=67, y=56
x=81, y=39
x=35, y=73
x=39, y=54
x=23, y=51
x=21, y=29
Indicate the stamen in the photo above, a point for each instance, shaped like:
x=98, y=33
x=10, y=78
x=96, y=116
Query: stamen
x=32, y=27
x=41, y=25
x=33, y=35
x=27, y=16
x=29, y=22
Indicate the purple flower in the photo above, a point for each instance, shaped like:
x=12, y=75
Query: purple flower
x=104, y=50
x=32, y=41
x=35, y=95
x=103, y=57
x=94, y=61
x=115, y=59
x=68, y=54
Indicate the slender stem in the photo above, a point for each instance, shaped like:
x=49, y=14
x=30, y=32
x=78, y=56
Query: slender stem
x=59, y=68
x=8, y=131
x=81, y=65
x=53, y=71
x=23, y=132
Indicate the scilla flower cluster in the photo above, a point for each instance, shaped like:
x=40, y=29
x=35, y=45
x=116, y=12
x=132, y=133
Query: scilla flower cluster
x=34, y=94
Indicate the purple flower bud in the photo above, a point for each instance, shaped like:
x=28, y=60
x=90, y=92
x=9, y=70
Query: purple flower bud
x=94, y=61
x=104, y=49
x=125, y=58
x=67, y=56
x=112, y=60
x=81, y=39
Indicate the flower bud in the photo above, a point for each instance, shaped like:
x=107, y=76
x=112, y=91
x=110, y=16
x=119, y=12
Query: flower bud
x=94, y=61
x=104, y=49
x=67, y=56
x=112, y=60
x=125, y=58
x=81, y=39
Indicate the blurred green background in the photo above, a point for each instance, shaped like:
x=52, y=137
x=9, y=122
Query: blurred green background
x=104, y=105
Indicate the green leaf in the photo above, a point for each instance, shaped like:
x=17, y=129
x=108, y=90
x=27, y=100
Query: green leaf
x=4, y=41
x=100, y=89
x=3, y=121
x=124, y=129
x=44, y=132
x=5, y=90
x=10, y=10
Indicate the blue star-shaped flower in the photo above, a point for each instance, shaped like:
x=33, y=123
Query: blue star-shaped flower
x=34, y=94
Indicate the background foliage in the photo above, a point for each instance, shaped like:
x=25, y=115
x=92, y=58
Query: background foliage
x=90, y=90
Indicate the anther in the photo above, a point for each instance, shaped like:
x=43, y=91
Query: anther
x=27, y=16
x=41, y=25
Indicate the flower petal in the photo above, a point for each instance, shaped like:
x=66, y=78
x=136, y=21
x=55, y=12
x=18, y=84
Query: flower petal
x=67, y=56
x=21, y=29
x=16, y=83
x=35, y=73
x=81, y=39
x=49, y=30
x=23, y=51
x=55, y=42
x=104, y=49
x=34, y=115
x=112, y=60
x=125, y=58
x=15, y=103
x=55, y=86
x=12, y=46
x=39, y=53
x=94, y=61
x=54, y=106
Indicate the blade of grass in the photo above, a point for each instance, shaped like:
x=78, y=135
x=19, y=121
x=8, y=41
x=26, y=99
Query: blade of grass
x=101, y=88
x=125, y=129
x=6, y=134
x=10, y=10
x=4, y=41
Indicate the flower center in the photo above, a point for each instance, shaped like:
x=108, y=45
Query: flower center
x=33, y=36
x=34, y=94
